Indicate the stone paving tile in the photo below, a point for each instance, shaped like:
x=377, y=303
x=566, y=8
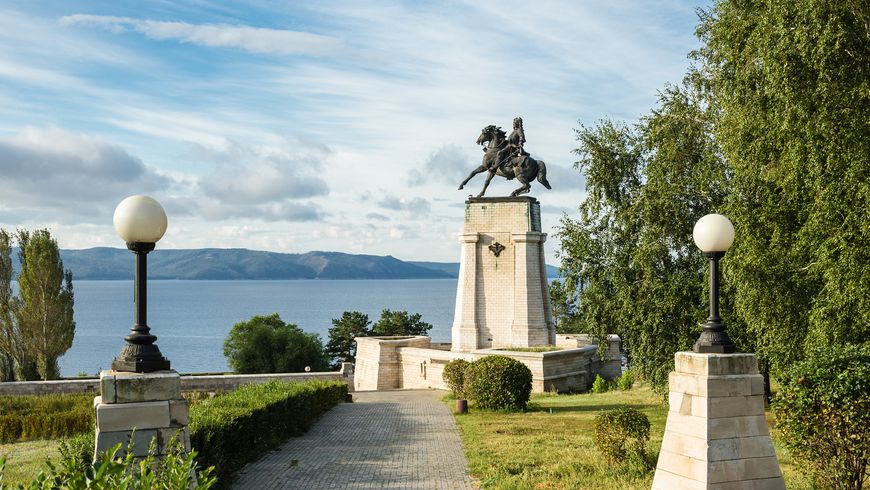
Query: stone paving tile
x=385, y=439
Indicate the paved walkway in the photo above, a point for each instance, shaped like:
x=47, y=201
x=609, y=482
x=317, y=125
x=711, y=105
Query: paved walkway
x=385, y=439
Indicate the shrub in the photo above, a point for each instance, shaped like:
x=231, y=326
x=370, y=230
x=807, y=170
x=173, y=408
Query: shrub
x=78, y=451
x=599, y=385
x=498, y=382
x=45, y=416
x=822, y=411
x=626, y=381
x=265, y=344
x=238, y=427
x=454, y=376
x=622, y=434
x=175, y=470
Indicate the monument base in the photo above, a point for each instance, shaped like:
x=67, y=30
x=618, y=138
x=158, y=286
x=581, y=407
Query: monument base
x=142, y=405
x=716, y=434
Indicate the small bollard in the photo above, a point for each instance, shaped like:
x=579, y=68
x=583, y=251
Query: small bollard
x=461, y=406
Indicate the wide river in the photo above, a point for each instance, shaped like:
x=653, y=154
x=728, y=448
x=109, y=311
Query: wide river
x=192, y=318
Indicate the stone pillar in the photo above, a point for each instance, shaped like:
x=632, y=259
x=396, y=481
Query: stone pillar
x=150, y=403
x=502, y=296
x=531, y=297
x=464, y=332
x=716, y=434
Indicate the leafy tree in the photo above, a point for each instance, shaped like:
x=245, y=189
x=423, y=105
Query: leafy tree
x=400, y=323
x=629, y=259
x=265, y=344
x=341, y=346
x=11, y=351
x=565, y=308
x=45, y=311
x=791, y=84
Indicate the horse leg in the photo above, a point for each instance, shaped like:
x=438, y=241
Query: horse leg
x=486, y=184
x=471, y=175
x=522, y=179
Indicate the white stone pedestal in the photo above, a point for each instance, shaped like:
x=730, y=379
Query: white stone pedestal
x=150, y=403
x=716, y=434
x=502, y=296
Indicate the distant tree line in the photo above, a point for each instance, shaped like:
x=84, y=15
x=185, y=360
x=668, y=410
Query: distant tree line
x=266, y=344
x=36, y=325
x=770, y=127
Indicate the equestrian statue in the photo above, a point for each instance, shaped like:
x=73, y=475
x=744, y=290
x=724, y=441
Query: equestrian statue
x=505, y=157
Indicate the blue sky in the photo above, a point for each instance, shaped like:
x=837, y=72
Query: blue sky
x=297, y=126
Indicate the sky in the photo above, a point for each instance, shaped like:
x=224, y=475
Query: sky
x=297, y=126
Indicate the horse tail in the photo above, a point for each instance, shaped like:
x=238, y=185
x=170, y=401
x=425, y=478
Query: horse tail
x=542, y=174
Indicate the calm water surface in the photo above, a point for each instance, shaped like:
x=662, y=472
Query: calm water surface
x=192, y=318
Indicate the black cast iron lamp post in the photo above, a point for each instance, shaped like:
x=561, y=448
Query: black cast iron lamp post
x=714, y=234
x=141, y=222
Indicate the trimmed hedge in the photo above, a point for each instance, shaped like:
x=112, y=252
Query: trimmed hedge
x=24, y=418
x=454, y=376
x=238, y=427
x=498, y=382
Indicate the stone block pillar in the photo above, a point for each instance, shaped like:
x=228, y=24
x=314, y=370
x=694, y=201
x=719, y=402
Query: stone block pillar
x=716, y=434
x=529, y=325
x=502, y=297
x=150, y=403
x=464, y=330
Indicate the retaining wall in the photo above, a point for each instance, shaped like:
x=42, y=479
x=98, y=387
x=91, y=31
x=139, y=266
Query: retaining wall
x=219, y=382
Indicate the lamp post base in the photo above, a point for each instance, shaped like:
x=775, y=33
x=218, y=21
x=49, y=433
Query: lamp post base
x=133, y=365
x=140, y=358
x=714, y=340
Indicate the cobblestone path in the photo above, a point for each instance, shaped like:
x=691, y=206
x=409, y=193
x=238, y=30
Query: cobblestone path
x=385, y=439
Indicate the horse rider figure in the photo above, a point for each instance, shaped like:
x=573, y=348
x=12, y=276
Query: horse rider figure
x=514, y=146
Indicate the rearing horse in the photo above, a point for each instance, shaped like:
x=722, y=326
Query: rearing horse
x=521, y=167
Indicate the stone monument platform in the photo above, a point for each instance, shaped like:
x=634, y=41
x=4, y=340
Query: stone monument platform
x=502, y=299
x=502, y=303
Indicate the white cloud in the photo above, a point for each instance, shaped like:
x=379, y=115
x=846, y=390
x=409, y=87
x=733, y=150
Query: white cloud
x=252, y=39
x=54, y=172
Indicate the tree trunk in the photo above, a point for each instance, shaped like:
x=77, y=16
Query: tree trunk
x=26, y=371
x=765, y=372
x=48, y=368
x=7, y=368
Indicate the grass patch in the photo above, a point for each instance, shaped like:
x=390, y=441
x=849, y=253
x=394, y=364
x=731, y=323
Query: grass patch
x=540, y=348
x=551, y=445
x=25, y=459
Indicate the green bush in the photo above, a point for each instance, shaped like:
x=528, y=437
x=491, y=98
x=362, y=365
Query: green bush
x=626, y=381
x=265, y=344
x=78, y=451
x=454, y=376
x=45, y=416
x=599, y=385
x=823, y=413
x=498, y=382
x=622, y=434
x=236, y=428
x=175, y=470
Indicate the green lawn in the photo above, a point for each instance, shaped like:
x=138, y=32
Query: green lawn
x=551, y=446
x=25, y=459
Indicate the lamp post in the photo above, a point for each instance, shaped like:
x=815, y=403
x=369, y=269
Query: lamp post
x=141, y=222
x=714, y=234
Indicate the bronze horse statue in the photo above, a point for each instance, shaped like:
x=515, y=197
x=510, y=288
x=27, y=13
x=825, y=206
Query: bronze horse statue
x=514, y=165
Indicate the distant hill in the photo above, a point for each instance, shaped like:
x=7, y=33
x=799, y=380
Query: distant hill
x=103, y=263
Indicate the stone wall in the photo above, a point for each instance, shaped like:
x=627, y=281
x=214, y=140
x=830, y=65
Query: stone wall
x=394, y=363
x=219, y=382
